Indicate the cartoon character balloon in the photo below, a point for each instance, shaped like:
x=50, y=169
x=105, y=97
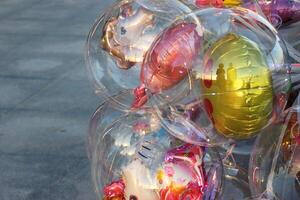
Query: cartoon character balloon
x=279, y=12
x=237, y=72
x=170, y=184
x=242, y=75
x=244, y=81
x=124, y=36
x=241, y=78
x=119, y=40
x=130, y=163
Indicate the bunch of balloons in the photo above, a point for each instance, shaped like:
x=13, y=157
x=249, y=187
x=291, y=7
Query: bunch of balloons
x=201, y=100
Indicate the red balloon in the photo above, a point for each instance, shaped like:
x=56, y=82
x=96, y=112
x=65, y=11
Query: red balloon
x=169, y=60
x=214, y=3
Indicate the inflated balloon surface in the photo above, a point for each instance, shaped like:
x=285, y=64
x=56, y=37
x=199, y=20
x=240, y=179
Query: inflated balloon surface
x=124, y=36
x=279, y=12
x=237, y=73
x=121, y=37
x=136, y=159
x=241, y=77
x=190, y=85
x=275, y=162
x=169, y=60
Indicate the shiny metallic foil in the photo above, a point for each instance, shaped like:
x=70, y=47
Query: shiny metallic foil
x=127, y=37
x=218, y=3
x=237, y=87
x=168, y=61
x=171, y=57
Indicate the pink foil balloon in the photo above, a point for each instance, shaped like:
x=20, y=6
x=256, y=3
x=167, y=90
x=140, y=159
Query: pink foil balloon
x=185, y=160
x=168, y=61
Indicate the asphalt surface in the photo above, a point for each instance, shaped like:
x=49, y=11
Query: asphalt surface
x=45, y=99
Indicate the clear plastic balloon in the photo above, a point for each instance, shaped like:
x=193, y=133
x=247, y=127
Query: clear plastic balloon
x=278, y=12
x=236, y=185
x=291, y=37
x=104, y=115
x=235, y=166
x=118, y=42
x=136, y=158
x=275, y=161
x=240, y=104
x=281, y=13
x=188, y=92
x=189, y=122
x=244, y=78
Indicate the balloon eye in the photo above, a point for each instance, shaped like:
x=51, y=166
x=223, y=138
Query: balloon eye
x=132, y=197
x=123, y=30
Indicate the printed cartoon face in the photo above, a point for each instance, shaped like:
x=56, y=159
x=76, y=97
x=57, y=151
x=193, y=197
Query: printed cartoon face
x=180, y=176
x=237, y=87
x=127, y=37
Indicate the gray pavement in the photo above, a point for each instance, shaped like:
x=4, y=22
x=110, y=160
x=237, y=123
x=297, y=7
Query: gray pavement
x=45, y=99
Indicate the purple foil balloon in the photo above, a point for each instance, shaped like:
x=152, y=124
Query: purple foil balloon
x=279, y=12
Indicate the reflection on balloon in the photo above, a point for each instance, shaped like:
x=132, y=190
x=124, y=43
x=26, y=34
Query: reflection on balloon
x=168, y=60
x=279, y=12
x=237, y=87
x=124, y=36
x=275, y=161
x=189, y=91
x=151, y=164
x=180, y=176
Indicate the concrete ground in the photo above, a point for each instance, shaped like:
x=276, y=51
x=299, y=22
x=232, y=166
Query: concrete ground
x=45, y=99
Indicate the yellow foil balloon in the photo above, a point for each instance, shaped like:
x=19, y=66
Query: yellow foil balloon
x=218, y=3
x=237, y=87
x=232, y=3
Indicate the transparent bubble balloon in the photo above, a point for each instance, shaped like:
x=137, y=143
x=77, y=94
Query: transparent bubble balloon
x=274, y=171
x=136, y=158
x=244, y=76
x=189, y=122
x=241, y=78
x=236, y=184
x=278, y=12
x=291, y=37
x=102, y=117
x=118, y=41
x=284, y=15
